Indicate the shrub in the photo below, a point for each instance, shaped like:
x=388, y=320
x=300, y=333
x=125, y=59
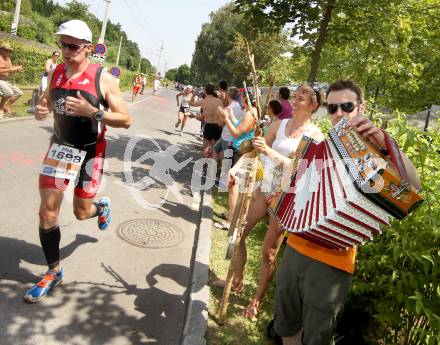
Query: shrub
x=32, y=60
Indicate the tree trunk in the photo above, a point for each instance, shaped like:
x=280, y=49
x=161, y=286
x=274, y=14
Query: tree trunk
x=367, y=56
x=323, y=29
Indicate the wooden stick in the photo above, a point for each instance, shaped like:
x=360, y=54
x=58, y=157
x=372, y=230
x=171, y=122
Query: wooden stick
x=237, y=233
x=269, y=94
x=254, y=79
x=242, y=208
x=246, y=94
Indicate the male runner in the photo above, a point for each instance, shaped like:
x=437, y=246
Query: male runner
x=77, y=94
x=209, y=109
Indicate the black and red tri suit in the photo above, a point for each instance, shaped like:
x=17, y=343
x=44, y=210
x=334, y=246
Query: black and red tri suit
x=78, y=131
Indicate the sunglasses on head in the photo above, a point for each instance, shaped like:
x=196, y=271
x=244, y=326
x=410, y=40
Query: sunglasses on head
x=346, y=107
x=71, y=46
x=318, y=94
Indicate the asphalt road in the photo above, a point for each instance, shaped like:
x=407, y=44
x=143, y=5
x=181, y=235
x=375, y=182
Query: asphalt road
x=114, y=292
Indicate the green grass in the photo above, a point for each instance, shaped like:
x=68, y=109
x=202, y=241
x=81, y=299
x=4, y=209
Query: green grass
x=237, y=329
x=21, y=105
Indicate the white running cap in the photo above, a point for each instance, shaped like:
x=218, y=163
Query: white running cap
x=188, y=87
x=75, y=28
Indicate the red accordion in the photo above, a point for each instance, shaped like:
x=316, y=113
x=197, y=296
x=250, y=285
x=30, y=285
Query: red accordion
x=343, y=189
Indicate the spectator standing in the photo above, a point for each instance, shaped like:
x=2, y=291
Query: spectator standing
x=156, y=84
x=222, y=93
x=8, y=90
x=49, y=65
x=283, y=96
x=144, y=83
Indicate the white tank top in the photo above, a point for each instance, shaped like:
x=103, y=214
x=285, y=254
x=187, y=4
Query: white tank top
x=184, y=102
x=285, y=146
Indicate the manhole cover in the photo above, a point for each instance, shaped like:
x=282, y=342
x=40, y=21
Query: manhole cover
x=150, y=233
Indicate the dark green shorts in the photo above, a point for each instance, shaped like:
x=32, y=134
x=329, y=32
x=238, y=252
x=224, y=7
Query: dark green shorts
x=310, y=295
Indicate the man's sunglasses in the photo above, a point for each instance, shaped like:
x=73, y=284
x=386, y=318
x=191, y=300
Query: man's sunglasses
x=71, y=46
x=346, y=107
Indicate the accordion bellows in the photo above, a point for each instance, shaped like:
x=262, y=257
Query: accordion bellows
x=342, y=191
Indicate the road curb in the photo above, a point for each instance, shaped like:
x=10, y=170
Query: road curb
x=196, y=318
x=15, y=119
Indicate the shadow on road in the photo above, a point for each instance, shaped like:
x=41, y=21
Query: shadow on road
x=13, y=252
x=138, y=155
x=100, y=318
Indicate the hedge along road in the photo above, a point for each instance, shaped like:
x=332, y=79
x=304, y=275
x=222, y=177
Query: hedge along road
x=114, y=292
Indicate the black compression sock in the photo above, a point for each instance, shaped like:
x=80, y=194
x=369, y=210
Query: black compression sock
x=50, y=242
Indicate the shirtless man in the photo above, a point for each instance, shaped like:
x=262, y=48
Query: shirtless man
x=209, y=106
x=9, y=91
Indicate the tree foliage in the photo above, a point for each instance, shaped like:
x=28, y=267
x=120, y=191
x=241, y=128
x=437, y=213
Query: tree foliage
x=389, y=47
x=220, y=52
x=171, y=74
x=210, y=59
x=183, y=74
x=40, y=18
x=267, y=48
x=308, y=20
x=393, y=52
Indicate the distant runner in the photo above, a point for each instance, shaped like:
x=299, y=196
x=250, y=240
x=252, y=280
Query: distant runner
x=183, y=113
x=156, y=84
x=137, y=86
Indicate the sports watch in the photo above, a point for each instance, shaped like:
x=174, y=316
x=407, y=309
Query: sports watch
x=99, y=115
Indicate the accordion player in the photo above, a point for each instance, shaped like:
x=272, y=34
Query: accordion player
x=343, y=189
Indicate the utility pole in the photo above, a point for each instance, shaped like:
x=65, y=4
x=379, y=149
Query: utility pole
x=160, y=56
x=119, y=52
x=139, y=66
x=104, y=22
x=14, y=24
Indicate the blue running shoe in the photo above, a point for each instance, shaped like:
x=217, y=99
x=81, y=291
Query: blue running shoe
x=40, y=290
x=104, y=213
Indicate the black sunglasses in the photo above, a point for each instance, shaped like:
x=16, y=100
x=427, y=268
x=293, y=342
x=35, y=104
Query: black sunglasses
x=346, y=107
x=71, y=46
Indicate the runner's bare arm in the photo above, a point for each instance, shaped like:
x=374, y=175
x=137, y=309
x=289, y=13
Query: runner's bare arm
x=119, y=115
x=177, y=97
x=197, y=116
x=194, y=103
